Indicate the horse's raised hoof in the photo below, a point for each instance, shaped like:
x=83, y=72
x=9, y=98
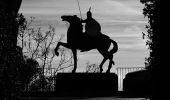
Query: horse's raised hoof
x=113, y=63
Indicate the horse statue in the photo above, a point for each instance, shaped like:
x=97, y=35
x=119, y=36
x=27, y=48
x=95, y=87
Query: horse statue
x=76, y=40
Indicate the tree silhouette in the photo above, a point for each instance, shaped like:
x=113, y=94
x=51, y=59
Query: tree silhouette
x=10, y=58
x=152, y=11
x=37, y=45
x=28, y=71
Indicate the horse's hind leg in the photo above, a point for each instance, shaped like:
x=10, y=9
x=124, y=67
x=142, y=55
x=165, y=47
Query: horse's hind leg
x=101, y=65
x=110, y=63
x=104, y=54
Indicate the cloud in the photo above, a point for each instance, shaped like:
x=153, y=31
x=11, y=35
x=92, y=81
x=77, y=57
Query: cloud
x=113, y=7
x=48, y=6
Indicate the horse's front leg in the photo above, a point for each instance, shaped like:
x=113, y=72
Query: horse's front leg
x=75, y=60
x=56, y=48
x=58, y=45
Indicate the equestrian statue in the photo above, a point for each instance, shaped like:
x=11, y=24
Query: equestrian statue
x=92, y=38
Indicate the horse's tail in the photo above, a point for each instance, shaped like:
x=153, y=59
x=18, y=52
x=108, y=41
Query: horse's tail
x=115, y=47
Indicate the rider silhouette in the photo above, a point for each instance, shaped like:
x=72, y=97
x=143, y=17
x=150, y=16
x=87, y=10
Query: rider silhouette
x=92, y=27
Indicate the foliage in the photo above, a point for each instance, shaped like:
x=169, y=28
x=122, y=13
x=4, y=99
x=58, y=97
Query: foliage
x=28, y=71
x=38, y=46
x=151, y=11
x=11, y=58
x=42, y=83
x=92, y=68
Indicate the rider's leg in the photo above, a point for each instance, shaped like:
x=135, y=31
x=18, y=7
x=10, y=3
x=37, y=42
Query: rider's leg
x=84, y=39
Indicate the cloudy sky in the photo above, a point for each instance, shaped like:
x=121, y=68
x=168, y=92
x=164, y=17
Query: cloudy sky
x=122, y=20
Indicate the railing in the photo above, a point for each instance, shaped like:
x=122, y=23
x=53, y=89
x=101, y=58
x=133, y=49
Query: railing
x=122, y=71
x=50, y=71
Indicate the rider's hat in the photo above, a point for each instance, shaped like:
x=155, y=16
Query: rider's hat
x=89, y=14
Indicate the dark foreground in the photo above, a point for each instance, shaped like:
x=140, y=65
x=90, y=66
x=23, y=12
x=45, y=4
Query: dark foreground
x=85, y=98
x=51, y=96
x=84, y=86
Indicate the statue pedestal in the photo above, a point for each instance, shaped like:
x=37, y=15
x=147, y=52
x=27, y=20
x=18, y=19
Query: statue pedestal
x=86, y=84
x=139, y=83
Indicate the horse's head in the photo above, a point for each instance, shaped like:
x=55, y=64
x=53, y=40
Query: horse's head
x=75, y=23
x=71, y=19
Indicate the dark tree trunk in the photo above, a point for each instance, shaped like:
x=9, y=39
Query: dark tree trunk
x=9, y=58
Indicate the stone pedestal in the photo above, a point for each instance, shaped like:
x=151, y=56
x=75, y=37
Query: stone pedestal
x=138, y=83
x=86, y=84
